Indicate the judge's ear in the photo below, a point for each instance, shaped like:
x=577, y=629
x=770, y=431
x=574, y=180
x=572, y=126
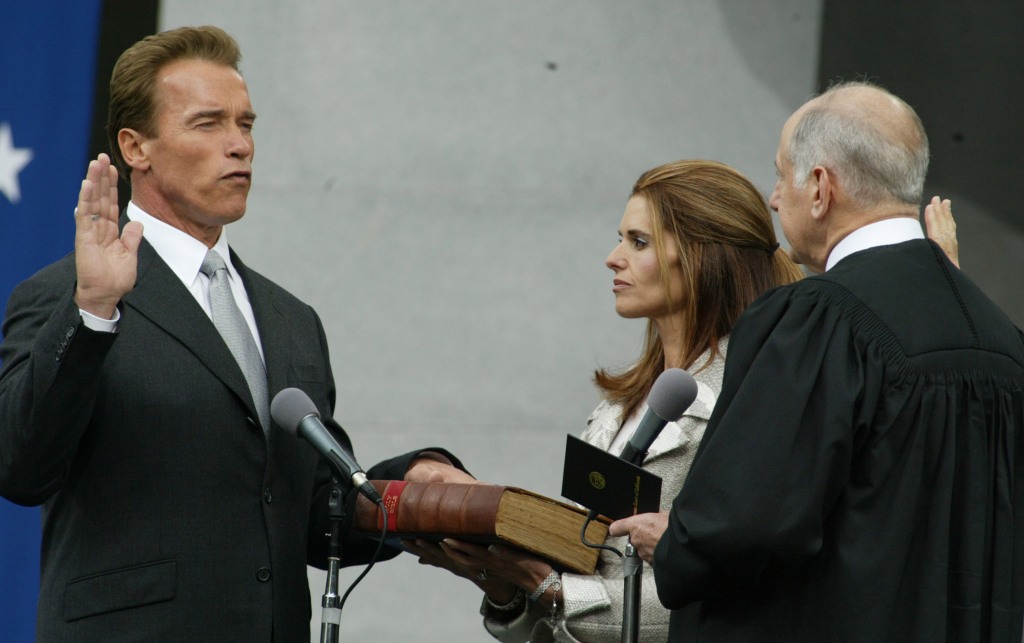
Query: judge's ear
x=133, y=148
x=823, y=193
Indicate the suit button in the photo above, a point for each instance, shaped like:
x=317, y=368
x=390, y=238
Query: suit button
x=70, y=332
x=267, y=496
x=263, y=574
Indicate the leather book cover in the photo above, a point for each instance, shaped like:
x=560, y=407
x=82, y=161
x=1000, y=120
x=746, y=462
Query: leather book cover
x=484, y=513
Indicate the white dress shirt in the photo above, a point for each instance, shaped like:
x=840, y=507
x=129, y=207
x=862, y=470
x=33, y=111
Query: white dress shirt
x=881, y=233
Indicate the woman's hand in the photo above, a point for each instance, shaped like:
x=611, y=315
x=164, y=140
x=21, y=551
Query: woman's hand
x=499, y=571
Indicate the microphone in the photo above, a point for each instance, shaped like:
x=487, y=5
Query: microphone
x=296, y=413
x=672, y=393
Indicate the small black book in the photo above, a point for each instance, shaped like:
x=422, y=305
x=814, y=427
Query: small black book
x=607, y=484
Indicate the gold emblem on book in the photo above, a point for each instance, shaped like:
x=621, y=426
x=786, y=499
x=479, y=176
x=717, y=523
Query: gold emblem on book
x=597, y=480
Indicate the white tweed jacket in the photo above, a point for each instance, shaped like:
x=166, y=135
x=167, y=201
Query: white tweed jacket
x=592, y=610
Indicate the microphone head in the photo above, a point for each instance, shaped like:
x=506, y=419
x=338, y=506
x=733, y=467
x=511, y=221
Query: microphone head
x=290, y=407
x=672, y=393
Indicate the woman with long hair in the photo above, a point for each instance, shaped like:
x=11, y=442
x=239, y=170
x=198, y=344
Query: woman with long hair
x=697, y=246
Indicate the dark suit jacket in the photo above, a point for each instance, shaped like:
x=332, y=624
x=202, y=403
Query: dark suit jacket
x=168, y=515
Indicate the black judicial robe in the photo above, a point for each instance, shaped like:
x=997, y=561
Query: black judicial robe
x=862, y=476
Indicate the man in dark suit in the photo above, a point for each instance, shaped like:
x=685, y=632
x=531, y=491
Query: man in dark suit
x=174, y=509
x=862, y=475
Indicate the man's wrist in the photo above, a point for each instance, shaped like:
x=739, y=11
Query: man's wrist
x=100, y=324
x=433, y=456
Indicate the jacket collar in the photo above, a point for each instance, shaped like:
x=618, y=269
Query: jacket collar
x=604, y=422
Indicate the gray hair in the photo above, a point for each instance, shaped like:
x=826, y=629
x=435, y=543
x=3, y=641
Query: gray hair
x=875, y=159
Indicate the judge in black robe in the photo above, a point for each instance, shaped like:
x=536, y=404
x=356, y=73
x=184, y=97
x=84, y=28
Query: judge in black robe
x=860, y=478
x=856, y=482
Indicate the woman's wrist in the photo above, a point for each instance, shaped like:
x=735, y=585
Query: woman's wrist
x=500, y=593
x=551, y=585
x=506, y=605
x=502, y=611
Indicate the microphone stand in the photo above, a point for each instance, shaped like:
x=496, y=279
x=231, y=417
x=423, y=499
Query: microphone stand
x=632, y=578
x=330, y=615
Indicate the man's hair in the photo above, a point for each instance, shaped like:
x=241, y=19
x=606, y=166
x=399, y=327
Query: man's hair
x=133, y=81
x=878, y=155
x=728, y=252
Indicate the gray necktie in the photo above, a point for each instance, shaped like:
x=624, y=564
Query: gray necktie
x=232, y=327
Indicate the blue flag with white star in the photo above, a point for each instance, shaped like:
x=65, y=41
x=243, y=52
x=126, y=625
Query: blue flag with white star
x=47, y=67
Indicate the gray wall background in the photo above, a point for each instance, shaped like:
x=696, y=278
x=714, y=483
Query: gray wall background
x=442, y=180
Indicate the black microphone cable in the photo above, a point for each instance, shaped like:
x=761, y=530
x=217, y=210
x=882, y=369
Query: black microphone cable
x=373, y=560
x=591, y=515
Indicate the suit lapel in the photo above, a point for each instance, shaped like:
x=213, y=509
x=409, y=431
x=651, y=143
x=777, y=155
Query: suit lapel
x=161, y=298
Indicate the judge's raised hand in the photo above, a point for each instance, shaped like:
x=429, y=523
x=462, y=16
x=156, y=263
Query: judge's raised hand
x=644, y=530
x=106, y=262
x=941, y=228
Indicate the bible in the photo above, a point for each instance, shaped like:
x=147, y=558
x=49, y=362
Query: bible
x=485, y=513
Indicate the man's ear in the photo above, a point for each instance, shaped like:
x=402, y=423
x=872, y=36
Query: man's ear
x=133, y=148
x=824, y=192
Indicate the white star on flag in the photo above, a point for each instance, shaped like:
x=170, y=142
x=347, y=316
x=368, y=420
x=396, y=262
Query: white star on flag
x=11, y=162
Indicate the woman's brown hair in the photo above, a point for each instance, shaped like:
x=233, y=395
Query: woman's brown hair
x=729, y=256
